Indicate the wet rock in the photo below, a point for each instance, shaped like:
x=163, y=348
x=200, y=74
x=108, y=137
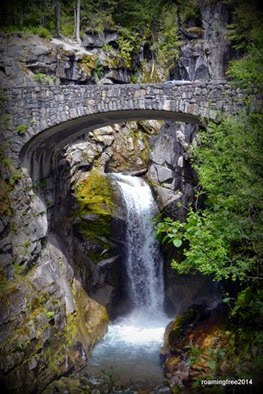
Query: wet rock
x=166, y=197
x=189, y=289
x=206, y=354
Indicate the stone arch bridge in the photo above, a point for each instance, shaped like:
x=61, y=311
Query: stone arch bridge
x=44, y=119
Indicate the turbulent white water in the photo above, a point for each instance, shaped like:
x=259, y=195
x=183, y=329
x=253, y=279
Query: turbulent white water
x=144, y=261
x=132, y=344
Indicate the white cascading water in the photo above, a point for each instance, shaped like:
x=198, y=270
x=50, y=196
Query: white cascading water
x=144, y=262
x=131, y=346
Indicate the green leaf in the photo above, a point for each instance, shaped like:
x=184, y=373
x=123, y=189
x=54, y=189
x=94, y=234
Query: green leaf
x=177, y=242
x=211, y=364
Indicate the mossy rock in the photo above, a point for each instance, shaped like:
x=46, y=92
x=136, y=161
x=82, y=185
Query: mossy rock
x=96, y=231
x=5, y=205
x=94, y=194
x=177, y=329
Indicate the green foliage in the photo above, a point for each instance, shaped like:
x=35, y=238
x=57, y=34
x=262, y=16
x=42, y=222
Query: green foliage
x=88, y=64
x=194, y=353
x=128, y=45
x=142, y=14
x=246, y=35
x=248, y=70
x=98, y=72
x=169, y=42
x=28, y=30
x=225, y=238
x=248, y=307
x=188, y=10
x=67, y=27
x=21, y=129
x=247, y=22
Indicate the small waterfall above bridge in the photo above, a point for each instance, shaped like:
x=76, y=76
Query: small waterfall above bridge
x=131, y=347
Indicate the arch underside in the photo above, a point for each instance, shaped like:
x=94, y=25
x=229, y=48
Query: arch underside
x=40, y=151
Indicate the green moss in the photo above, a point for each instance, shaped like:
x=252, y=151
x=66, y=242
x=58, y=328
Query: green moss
x=42, y=79
x=21, y=129
x=98, y=232
x=181, y=322
x=94, y=194
x=5, y=205
x=3, y=279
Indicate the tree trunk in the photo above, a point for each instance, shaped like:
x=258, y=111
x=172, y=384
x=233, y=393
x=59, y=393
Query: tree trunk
x=75, y=20
x=43, y=18
x=77, y=28
x=58, y=18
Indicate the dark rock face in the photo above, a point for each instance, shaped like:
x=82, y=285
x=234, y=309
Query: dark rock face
x=95, y=40
x=205, y=57
x=169, y=170
x=102, y=277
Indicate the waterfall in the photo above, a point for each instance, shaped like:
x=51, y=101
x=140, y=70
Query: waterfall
x=144, y=261
x=130, y=349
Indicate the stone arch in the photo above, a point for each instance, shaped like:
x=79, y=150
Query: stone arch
x=38, y=155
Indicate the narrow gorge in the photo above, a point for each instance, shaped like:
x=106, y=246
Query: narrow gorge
x=130, y=196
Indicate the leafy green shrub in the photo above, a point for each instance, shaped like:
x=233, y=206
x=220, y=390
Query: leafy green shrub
x=67, y=27
x=225, y=238
x=247, y=70
x=129, y=43
x=99, y=71
x=88, y=64
x=42, y=32
x=249, y=306
x=246, y=36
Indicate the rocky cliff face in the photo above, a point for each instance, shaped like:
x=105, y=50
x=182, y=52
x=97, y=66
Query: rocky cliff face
x=205, y=50
x=30, y=61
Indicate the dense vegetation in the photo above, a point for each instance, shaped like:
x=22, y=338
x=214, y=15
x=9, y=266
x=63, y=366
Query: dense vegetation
x=222, y=234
